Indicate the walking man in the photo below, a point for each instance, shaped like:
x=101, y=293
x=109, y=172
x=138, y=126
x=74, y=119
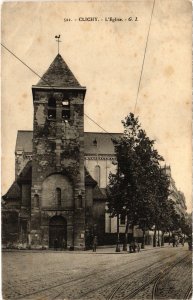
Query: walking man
x=94, y=244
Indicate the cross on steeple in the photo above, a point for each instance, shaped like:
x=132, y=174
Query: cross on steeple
x=57, y=37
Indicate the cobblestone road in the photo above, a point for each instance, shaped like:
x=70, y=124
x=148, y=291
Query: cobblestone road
x=154, y=274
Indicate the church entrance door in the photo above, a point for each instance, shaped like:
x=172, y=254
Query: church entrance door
x=57, y=232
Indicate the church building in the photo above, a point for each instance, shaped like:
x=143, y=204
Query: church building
x=61, y=172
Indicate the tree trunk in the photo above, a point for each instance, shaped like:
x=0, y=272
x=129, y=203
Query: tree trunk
x=132, y=234
x=143, y=240
x=118, y=245
x=158, y=241
x=126, y=236
x=169, y=237
x=154, y=238
x=162, y=238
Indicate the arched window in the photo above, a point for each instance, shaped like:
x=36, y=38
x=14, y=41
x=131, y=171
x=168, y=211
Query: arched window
x=79, y=201
x=97, y=174
x=36, y=200
x=58, y=197
x=51, y=108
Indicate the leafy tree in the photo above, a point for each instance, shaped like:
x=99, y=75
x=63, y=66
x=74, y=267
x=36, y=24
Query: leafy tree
x=162, y=206
x=137, y=185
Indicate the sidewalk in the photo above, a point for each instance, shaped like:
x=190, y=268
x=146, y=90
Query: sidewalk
x=108, y=249
x=111, y=249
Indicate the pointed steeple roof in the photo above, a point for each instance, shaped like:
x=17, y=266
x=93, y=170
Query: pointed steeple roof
x=58, y=74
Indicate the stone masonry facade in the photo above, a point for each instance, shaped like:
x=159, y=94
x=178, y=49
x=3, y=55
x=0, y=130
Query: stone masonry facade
x=51, y=202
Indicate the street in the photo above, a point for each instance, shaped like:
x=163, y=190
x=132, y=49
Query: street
x=158, y=273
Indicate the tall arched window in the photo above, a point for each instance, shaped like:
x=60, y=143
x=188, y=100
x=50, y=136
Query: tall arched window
x=58, y=197
x=52, y=108
x=97, y=174
x=36, y=200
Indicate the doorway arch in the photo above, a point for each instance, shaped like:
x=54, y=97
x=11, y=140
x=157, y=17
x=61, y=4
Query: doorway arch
x=58, y=232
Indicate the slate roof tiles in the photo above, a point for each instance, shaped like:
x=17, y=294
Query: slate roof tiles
x=58, y=75
x=104, y=142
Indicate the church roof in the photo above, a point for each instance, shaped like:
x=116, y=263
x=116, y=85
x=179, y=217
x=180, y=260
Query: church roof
x=14, y=192
x=58, y=75
x=88, y=178
x=99, y=193
x=24, y=141
x=26, y=173
x=104, y=142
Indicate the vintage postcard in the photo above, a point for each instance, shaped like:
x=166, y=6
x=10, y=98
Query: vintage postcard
x=96, y=149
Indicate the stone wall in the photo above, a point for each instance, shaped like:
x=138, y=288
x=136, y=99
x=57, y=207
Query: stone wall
x=50, y=196
x=99, y=219
x=10, y=227
x=21, y=160
x=26, y=195
x=58, y=162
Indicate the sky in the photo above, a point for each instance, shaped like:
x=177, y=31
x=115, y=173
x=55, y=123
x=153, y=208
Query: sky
x=107, y=58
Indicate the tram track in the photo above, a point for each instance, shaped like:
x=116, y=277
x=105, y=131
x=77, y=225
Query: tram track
x=115, y=290
x=188, y=294
x=72, y=281
x=133, y=293
x=112, y=294
x=161, y=275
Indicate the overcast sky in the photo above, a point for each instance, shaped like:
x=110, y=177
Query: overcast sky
x=106, y=57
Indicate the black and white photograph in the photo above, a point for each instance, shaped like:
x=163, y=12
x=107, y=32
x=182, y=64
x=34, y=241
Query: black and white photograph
x=96, y=178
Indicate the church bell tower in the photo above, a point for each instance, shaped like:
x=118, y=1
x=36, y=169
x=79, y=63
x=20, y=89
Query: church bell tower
x=58, y=184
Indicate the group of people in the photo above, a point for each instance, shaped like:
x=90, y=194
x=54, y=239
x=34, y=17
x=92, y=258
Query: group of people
x=176, y=240
x=134, y=246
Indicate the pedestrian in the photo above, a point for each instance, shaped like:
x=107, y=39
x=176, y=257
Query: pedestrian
x=190, y=243
x=94, y=245
x=176, y=240
x=64, y=244
x=131, y=247
x=55, y=244
x=134, y=245
x=182, y=241
x=138, y=247
x=173, y=240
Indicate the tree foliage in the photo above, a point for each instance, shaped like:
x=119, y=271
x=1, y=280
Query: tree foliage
x=139, y=189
